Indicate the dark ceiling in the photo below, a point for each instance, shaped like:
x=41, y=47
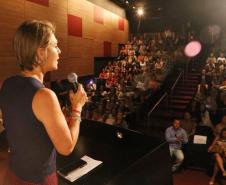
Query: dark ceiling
x=176, y=11
x=154, y=8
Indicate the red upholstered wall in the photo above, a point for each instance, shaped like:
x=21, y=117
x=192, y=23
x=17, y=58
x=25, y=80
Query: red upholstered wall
x=107, y=49
x=41, y=2
x=121, y=24
x=74, y=25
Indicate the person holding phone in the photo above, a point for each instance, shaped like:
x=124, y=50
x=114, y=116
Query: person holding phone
x=34, y=123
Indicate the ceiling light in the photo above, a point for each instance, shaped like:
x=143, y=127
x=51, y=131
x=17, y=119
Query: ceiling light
x=140, y=11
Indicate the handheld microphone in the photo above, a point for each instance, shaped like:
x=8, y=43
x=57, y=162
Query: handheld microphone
x=73, y=79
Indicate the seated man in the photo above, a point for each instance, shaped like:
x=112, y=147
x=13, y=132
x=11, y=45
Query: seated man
x=176, y=136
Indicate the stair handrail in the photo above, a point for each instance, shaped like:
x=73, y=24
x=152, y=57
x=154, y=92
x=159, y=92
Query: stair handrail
x=166, y=94
x=175, y=83
x=158, y=102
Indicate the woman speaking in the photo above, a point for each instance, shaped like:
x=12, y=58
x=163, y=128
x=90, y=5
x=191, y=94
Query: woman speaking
x=34, y=122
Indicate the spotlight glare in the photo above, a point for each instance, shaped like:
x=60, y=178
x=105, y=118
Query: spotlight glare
x=192, y=49
x=140, y=11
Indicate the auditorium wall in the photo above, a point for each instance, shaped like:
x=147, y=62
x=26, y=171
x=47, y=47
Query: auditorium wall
x=84, y=31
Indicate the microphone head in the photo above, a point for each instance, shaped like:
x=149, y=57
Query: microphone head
x=72, y=78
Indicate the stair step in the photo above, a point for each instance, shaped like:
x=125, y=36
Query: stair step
x=173, y=106
x=192, y=78
x=181, y=97
x=189, y=93
x=186, y=88
x=178, y=106
x=195, y=73
x=195, y=76
x=180, y=101
x=191, y=81
x=193, y=85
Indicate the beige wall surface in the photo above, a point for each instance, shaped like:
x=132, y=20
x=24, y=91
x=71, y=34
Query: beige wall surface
x=77, y=52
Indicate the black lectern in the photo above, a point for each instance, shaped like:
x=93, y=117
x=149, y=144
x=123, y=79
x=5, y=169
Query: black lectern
x=129, y=157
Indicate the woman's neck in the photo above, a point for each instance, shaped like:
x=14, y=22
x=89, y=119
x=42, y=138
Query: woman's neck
x=34, y=74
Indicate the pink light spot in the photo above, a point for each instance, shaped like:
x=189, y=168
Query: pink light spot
x=192, y=48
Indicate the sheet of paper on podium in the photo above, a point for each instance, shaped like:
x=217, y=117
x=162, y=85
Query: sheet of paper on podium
x=199, y=139
x=79, y=172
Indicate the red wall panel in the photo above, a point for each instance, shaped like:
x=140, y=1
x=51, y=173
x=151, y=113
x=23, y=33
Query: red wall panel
x=98, y=15
x=41, y=2
x=121, y=24
x=107, y=49
x=74, y=25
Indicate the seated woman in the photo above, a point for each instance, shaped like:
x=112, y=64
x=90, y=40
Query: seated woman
x=219, y=148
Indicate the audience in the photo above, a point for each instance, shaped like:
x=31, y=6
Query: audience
x=213, y=107
x=127, y=84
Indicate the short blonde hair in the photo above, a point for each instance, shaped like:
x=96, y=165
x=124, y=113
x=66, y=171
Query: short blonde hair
x=29, y=36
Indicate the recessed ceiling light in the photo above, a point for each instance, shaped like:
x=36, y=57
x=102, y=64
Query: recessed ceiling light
x=140, y=11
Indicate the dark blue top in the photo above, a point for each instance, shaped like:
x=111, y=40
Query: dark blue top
x=32, y=154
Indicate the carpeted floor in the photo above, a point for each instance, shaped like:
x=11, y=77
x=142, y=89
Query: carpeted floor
x=192, y=177
x=3, y=165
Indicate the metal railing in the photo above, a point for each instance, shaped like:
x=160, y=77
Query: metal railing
x=181, y=75
x=167, y=95
x=156, y=105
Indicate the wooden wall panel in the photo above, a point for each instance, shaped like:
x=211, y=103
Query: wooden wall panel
x=77, y=54
x=81, y=66
x=99, y=15
x=87, y=48
x=9, y=67
x=98, y=48
x=114, y=47
x=63, y=45
x=58, y=5
x=88, y=32
x=81, y=8
x=36, y=11
x=11, y=16
x=59, y=18
x=41, y=2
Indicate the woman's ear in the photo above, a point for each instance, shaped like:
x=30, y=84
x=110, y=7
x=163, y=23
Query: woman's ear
x=41, y=55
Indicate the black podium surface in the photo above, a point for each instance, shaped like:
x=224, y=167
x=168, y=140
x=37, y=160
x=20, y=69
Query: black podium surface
x=133, y=159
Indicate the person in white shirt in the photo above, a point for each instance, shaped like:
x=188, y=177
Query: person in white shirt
x=211, y=59
x=221, y=58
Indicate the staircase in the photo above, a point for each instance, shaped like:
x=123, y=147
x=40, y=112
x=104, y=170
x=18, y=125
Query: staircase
x=176, y=103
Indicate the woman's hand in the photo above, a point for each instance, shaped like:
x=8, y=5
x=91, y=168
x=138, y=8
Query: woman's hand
x=79, y=98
